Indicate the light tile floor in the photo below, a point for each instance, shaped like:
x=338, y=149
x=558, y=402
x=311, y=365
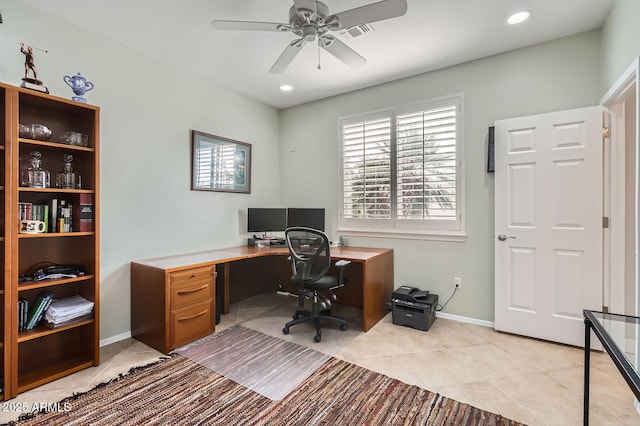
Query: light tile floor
x=528, y=380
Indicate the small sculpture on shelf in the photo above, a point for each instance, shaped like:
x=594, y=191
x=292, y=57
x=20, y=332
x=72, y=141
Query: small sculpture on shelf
x=35, y=176
x=29, y=65
x=67, y=179
x=80, y=86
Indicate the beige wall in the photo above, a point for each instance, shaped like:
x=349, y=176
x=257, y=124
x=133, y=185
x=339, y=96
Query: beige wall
x=620, y=40
x=558, y=75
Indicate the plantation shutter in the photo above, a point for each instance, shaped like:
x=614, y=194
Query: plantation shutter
x=367, y=169
x=426, y=165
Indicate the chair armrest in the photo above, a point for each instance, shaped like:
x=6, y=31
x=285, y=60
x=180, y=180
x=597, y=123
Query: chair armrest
x=341, y=264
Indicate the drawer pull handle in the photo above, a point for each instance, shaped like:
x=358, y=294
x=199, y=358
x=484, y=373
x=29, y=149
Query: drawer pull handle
x=193, y=316
x=193, y=290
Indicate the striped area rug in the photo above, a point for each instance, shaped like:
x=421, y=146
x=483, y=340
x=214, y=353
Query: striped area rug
x=265, y=364
x=178, y=391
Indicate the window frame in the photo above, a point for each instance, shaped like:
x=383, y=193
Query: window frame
x=434, y=229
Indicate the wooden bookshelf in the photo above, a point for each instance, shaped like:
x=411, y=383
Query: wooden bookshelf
x=38, y=356
x=6, y=134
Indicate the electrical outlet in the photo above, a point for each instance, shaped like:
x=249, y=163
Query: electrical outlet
x=457, y=282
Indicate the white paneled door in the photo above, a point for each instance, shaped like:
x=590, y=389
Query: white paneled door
x=548, y=223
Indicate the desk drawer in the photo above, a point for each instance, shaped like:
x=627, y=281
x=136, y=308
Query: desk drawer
x=191, y=275
x=191, y=323
x=190, y=293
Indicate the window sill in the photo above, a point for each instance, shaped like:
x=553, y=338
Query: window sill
x=451, y=236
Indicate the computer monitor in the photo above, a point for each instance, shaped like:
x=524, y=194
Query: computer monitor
x=266, y=220
x=310, y=218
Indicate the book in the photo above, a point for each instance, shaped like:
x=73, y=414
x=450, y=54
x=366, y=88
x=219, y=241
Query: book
x=54, y=325
x=44, y=309
x=46, y=217
x=37, y=308
x=25, y=311
x=22, y=306
x=53, y=211
x=24, y=210
x=83, y=214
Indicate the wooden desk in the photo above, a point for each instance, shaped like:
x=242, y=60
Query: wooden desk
x=240, y=272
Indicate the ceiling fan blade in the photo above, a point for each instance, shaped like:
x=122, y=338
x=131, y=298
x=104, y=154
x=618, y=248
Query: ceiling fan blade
x=248, y=26
x=305, y=5
x=373, y=12
x=341, y=51
x=287, y=56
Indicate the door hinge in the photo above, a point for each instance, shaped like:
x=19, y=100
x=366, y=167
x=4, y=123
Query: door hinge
x=605, y=222
x=605, y=309
x=605, y=132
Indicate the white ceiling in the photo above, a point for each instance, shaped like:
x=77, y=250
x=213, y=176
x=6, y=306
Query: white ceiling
x=432, y=34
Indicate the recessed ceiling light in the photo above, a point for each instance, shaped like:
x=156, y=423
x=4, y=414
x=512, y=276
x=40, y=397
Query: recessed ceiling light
x=519, y=17
x=286, y=87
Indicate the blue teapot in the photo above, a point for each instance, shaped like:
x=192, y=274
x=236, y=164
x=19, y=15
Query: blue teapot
x=80, y=86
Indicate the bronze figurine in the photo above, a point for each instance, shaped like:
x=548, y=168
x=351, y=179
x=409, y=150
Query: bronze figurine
x=29, y=65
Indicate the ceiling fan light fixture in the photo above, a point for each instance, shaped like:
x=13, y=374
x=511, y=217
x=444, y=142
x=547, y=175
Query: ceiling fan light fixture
x=519, y=17
x=310, y=21
x=286, y=87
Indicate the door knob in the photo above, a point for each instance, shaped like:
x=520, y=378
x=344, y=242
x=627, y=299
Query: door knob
x=503, y=237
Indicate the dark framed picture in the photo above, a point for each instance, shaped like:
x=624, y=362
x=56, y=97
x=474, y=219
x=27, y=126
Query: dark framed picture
x=219, y=164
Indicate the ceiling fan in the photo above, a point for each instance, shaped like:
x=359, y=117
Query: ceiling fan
x=310, y=21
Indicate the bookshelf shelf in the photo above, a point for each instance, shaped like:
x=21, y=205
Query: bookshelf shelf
x=56, y=235
x=55, y=145
x=52, y=283
x=56, y=190
x=41, y=331
x=34, y=357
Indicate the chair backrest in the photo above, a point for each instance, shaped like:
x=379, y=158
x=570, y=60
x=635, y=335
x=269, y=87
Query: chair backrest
x=309, y=249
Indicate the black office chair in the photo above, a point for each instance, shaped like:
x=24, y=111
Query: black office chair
x=310, y=261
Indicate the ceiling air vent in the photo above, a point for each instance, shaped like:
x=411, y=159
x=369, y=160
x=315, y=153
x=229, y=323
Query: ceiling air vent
x=357, y=31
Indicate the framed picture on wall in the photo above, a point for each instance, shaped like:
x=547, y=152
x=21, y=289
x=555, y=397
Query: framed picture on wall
x=219, y=164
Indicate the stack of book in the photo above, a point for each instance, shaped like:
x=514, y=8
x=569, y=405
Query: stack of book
x=68, y=311
x=29, y=318
x=60, y=215
x=30, y=211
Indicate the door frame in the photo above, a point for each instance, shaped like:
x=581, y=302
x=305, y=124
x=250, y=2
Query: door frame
x=615, y=275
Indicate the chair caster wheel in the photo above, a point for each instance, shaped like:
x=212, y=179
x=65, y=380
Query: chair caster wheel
x=343, y=327
x=285, y=330
x=317, y=338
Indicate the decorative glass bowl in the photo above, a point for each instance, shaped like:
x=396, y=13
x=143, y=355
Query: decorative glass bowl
x=74, y=138
x=38, y=132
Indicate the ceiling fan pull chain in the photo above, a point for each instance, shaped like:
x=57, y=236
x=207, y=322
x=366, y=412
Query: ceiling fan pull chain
x=319, y=67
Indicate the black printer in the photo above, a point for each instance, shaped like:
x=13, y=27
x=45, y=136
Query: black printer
x=413, y=307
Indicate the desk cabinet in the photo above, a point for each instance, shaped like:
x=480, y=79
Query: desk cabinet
x=170, y=309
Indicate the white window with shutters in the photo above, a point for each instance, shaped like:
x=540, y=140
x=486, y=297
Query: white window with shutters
x=402, y=171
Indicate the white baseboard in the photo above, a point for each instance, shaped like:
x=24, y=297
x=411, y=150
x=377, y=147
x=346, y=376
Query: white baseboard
x=114, y=339
x=123, y=336
x=465, y=319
